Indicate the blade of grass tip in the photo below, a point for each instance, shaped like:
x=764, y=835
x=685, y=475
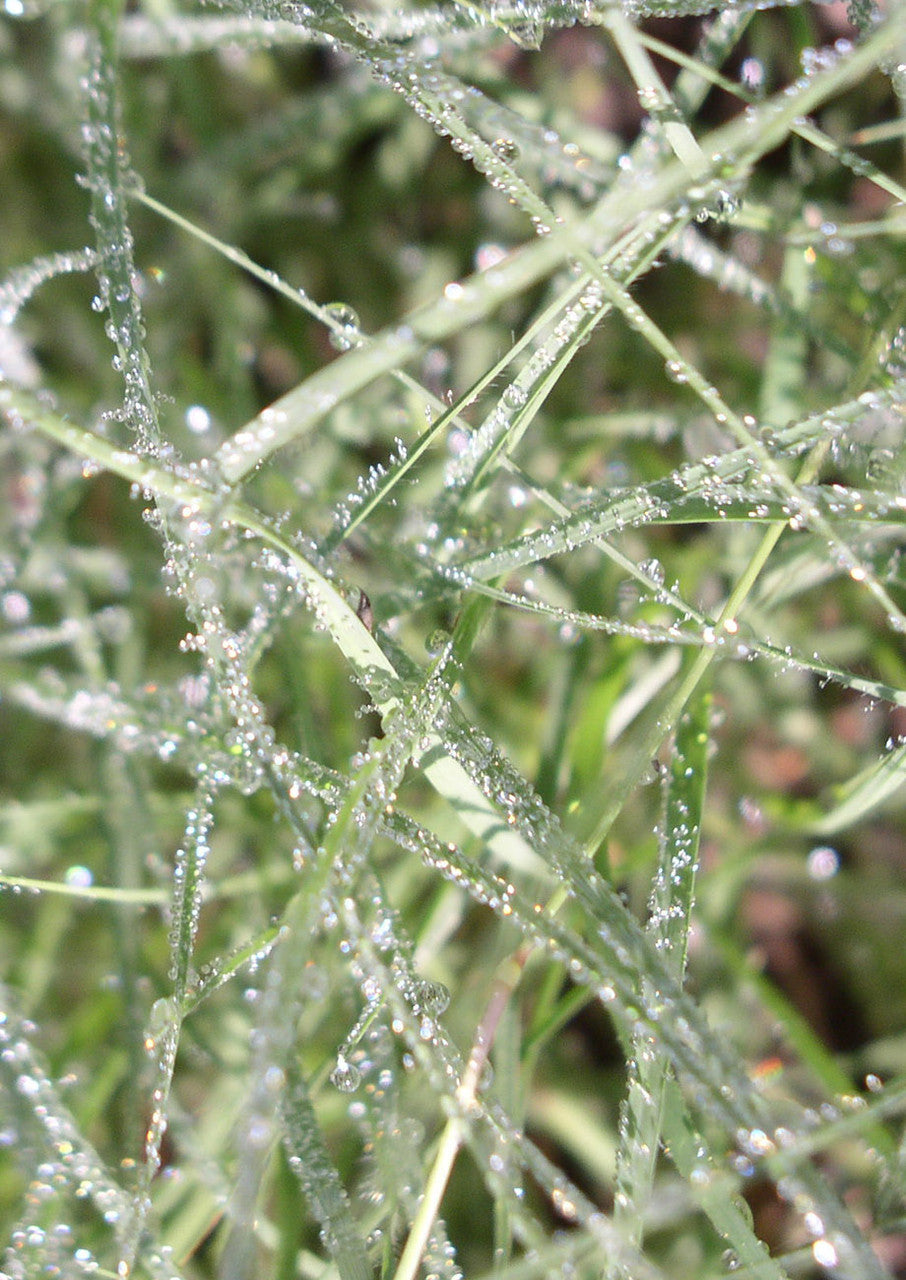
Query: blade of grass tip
x=447, y=416
x=671, y=904
x=20, y=283
x=885, y=132
x=810, y=132
x=220, y=971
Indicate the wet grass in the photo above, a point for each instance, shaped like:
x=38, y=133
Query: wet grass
x=452, y=657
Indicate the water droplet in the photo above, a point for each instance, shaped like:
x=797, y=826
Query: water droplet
x=345, y=327
x=79, y=877
x=823, y=1251
x=527, y=34
x=654, y=571
x=823, y=863
x=488, y=256
x=198, y=419
x=751, y=74
x=431, y=998
x=15, y=607
x=345, y=1076
x=505, y=149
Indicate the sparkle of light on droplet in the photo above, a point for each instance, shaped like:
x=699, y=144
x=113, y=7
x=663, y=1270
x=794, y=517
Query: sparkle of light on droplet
x=15, y=607
x=751, y=73
x=824, y=1253
x=78, y=877
x=823, y=862
x=198, y=420
x=488, y=256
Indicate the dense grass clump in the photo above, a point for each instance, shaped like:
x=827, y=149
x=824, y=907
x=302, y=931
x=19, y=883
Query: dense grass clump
x=452, y=657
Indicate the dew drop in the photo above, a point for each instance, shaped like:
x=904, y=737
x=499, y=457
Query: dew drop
x=527, y=34
x=79, y=877
x=823, y=862
x=432, y=998
x=198, y=419
x=654, y=571
x=505, y=149
x=345, y=1076
x=345, y=327
x=823, y=1251
x=751, y=73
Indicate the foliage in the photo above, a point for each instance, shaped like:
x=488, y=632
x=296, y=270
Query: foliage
x=509, y=399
